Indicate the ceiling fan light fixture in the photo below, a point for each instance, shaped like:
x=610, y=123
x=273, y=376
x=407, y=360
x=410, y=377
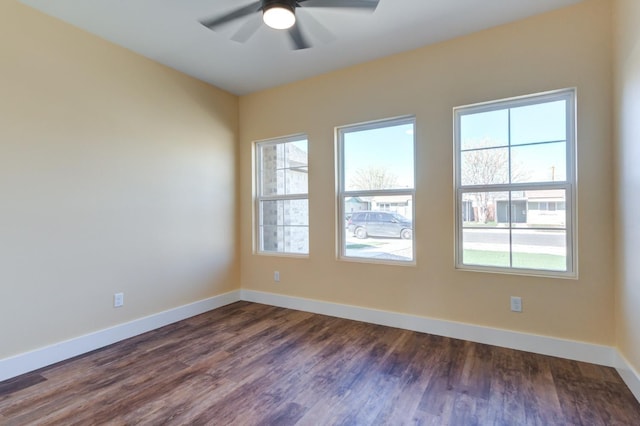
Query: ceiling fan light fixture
x=279, y=15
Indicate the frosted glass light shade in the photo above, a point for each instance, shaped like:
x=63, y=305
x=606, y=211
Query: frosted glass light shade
x=279, y=17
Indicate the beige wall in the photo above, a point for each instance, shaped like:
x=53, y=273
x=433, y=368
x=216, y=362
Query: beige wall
x=116, y=174
x=566, y=48
x=627, y=17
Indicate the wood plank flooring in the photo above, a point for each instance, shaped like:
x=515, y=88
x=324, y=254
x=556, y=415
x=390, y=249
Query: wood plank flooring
x=251, y=364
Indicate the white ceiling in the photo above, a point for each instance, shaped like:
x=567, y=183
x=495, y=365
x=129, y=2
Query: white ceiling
x=168, y=32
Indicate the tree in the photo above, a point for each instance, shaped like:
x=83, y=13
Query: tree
x=372, y=178
x=487, y=166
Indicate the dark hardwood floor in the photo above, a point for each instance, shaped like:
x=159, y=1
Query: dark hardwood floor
x=250, y=364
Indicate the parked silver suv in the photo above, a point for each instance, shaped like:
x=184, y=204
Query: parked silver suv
x=380, y=224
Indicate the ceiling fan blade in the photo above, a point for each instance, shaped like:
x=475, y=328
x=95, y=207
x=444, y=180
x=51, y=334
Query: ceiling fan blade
x=353, y=4
x=254, y=7
x=316, y=29
x=248, y=29
x=299, y=42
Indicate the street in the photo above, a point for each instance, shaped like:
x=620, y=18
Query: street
x=520, y=236
x=523, y=241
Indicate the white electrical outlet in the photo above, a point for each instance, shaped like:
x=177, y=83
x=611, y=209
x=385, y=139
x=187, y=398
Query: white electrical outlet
x=276, y=276
x=516, y=304
x=118, y=300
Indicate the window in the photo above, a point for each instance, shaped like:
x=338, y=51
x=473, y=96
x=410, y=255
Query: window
x=282, y=202
x=515, y=185
x=376, y=190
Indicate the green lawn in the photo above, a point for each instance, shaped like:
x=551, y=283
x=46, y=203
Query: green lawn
x=358, y=246
x=369, y=244
x=551, y=262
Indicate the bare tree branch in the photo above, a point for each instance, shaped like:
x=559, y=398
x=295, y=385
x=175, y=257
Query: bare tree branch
x=372, y=178
x=486, y=165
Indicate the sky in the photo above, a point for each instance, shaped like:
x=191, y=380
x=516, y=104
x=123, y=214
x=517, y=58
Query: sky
x=538, y=134
x=390, y=147
x=530, y=139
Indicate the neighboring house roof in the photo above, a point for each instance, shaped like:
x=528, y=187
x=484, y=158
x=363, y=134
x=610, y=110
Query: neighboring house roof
x=385, y=199
x=545, y=193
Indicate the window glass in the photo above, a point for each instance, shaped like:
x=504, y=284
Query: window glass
x=486, y=247
x=485, y=166
x=285, y=168
x=545, y=209
x=541, y=122
x=515, y=198
x=282, y=200
x=540, y=249
x=484, y=129
x=378, y=157
x=376, y=191
x=545, y=162
x=484, y=209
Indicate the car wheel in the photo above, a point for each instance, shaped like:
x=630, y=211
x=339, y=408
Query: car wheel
x=406, y=234
x=361, y=233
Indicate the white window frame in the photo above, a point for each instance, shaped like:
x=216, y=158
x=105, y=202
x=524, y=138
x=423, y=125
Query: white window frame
x=343, y=194
x=260, y=197
x=569, y=185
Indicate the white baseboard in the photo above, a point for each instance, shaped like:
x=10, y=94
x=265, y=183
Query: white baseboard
x=569, y=349
x=629, y=374
x=42, y=357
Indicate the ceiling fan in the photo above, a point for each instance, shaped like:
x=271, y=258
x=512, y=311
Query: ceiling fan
x=281, y=15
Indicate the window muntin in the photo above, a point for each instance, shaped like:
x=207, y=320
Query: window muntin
x=282, y=204
x=376, y=191
x=515, y=185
